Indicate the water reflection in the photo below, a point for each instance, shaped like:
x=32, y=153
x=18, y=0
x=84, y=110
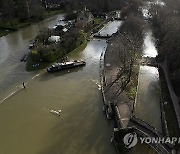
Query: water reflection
x=111, y=28
x=149, y=45
x=148, y=96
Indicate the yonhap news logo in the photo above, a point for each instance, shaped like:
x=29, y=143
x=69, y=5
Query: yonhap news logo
x=131, y=139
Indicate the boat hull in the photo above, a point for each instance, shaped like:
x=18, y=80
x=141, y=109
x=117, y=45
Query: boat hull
x=77, y=64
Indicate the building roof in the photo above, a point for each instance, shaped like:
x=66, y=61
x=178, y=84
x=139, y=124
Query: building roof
x=86, y=13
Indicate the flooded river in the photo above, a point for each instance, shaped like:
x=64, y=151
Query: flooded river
x=148, y=96
x=12, y=47
x=27, y=126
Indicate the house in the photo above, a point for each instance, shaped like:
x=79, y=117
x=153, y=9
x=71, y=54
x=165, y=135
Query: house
x=84, y=18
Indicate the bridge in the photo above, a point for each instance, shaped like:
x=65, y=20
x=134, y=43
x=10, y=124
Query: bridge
x=144, y=129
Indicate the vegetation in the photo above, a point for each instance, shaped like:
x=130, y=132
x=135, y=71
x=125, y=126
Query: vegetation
x=46, y=53
x=15, y=14
x=21, y=9
x=127, y=44
x=166, y=20
x=101, y=5
x=81, y=47
x=96, y=25
x=70, y=16
x=48, y=13
x=168, y=107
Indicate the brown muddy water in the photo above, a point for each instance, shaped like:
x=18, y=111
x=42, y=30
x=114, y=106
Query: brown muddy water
x=148, y=95
x=26, y=124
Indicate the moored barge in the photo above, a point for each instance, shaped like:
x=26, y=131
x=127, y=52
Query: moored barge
x=66, y=65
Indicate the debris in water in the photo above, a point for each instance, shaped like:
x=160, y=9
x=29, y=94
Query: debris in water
x=96, y=82
x=56, y=112
x=108, y=64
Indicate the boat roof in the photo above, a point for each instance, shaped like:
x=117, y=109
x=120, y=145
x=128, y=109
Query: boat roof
x=61, y=64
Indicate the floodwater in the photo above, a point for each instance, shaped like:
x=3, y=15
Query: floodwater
x=110, y=28
x=148, y=96
x=27, y=126
x=12, y=47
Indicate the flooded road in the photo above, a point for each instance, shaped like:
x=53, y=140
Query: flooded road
x=148, y=96
x=27, y=126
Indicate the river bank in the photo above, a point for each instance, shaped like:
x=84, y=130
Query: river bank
x=7, y=27
x=168, y=60
x=121, y=100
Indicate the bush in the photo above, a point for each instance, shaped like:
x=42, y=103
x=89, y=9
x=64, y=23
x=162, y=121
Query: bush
x=70, y=16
